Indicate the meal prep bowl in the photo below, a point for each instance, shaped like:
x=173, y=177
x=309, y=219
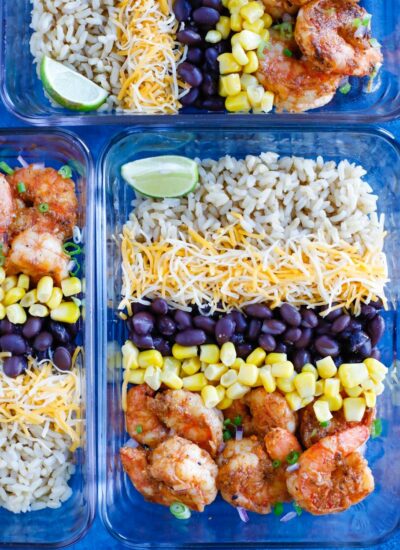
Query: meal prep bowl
x=53, y=528
x=22, y=91
x=124, y=512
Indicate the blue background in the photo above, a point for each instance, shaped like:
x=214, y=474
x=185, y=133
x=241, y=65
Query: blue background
x=96, y=138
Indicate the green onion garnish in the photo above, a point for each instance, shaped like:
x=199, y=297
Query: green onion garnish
x=237, y=420
x=287, y=52
x=376, y=429
x=139, y=429
x=179, y=510
x=366, y=20
x=345, y=89
x=21, y=187
x=72, y=249
x=298, y=509
x=357, y=22
x=374, y=43
x=292, y=457
x=227, y=421
x=43, y=207
x=324, y=424
x=2, y=260
x=276, y=463
x=227, y=435
x=314, y=432
x=77, y=267
x=6, y=168
x=261, y=48
x=278, y=508
x=65, y=171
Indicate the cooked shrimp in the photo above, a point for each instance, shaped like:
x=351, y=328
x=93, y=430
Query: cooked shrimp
x=176, y=470
x=269, y=410
x=332, y=476
x=239, y=409
x=37, y=254
x=280, y=443
x=185, y=413
x=311, y=430
x=278, y=8
x=46, y=187
x=326, y=34
x=142, y=424
x=295, y=82
x=246, y=477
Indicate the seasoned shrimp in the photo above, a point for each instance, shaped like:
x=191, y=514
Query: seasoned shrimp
x=296, y=83
x=326, y=34
x=269, y=410
x=185, y=413
x=332, y=476
x=239, y=409
x=142, y=424
x=278, y=8
x=280, y=443
x=246, y=477
x=311, y=430
x=176, y=470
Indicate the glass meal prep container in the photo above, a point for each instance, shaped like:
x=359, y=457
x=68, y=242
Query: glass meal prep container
x=124, y=511
x=22, y=91
x=53, y=528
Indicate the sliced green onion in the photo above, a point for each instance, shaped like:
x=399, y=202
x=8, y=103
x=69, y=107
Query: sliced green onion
x=298, y=509
x=314, y=432
x=366, y=20
x=139, y=429
x=43, y=207
x=2, y=260
x=357, y=22
x=21, y=187
x=374, y=43
x=237, y=420
x=179, y=510
x=6, y=168
x=278, y=508
x=276, y=463
x=72, y=249
x=65, y=171
x=227, y=435
x=292, y=457
x=227, y=421
x=376, y=429
x=324, y=424
x=345, y=89
x=285, y=29
x=261, y=48
x=287, y=52
x=77, y=267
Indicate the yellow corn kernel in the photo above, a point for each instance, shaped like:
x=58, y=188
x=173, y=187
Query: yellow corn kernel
x=23, y=281
x=224, y=404
x=9, y=283
x=231, y=83
x=267, y=102
x=252, y=65
x=306, y=401
x=228, y=64
x=264, y=35
x=248, y=374
x=332, y=387
x=236, y=391
x=38, y=310
x=2, y=312
x=294, y=400
x=235, y=6
x=352, y=374
x=235, y=39
x=184, y=352
x=29, y=299
x=376, y=369
x=258, y=382
x=240, y=56
x=354, y=408
x=255, y=95
x=237, y=103
x=326, y=367
x=229, y=378
x=224, y=26
x=171, y=364
x=221, y=88
x=221, y=391
x=268, y=381
x=305, y=384
x=14, y=295
x=308, y=367
x=368, y=385
x=356, y=391
x=228, y=354
x=236, y=22
x=171, y=379
x=267, y=20
x=209, y=353
x=66, y=312
x=370, y=398
x=213, y=37
x=16, y=314
x=238, y=363
x=130, y=355
x=44, y=289
x=256, y=357
x=135, y=376
x=249, y=40
x=2, y=275
x=2, y=294
x=191, y=366
x=150, y=358
x=196, y=382
x=257, y=26
x=214, y=372
x=275, y=358
x=379, y=388
x=321, y=409
x=71, y=286
x=55, y=298
x=152, y=377
x=335, y=402
x=247, y=80
x=283, y=370
x=225, y=3
x=252, y=11
x=319, y=387
x=210, y=396
x=286, y=385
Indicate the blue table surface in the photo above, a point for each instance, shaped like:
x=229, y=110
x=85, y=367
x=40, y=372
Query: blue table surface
x=98, y=537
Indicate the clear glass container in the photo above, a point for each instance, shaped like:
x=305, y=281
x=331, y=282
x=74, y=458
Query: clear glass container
x=124, y=512
x=51, y=528
x=22, y=91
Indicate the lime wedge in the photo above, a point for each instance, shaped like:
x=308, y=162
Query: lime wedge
x=162, y=177
x=69, y=88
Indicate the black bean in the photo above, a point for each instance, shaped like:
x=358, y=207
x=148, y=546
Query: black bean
x=281, y=347
x=191, y=337
x=355, y=326
x=323, y=327
x=254, y=329
x=326, y=346
x=43, y=341
x=32, y=327
x=309, y=319
x=357, y=340
x=73, y=328
x=224, y=329
x=377, y=304
x=14, y=366
x=290, y=314
x=14, y=343
x=143, y=322
x=375, y=329
x=162, y=345
x=206, y=16
x=182, y=10
x=6, y=327
x=305, y=338
x=364, y=351
x=260, y=311
x=375, y=353
x=368, y=311
x=215, y=103
x=216, y=4
x=159, y=306
x=340, y=323
x=183, y=319
x=334, y=314
x=345, y=335
x=243, y=350
x=59, y=331
x=166, y=325
x=300, y=358
x=291, y=335
x=138, y=307
x=337, y=360
x=273, y=326
x=238, y=338
x=240, y=321
x=195, y=55
x=143, y=341
x=190, y=97
x=267, y=342
x=209, y=86
x=211, y=55
x=62, y=358
x=205, y=323
x=189, y=37
x=190, y=74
